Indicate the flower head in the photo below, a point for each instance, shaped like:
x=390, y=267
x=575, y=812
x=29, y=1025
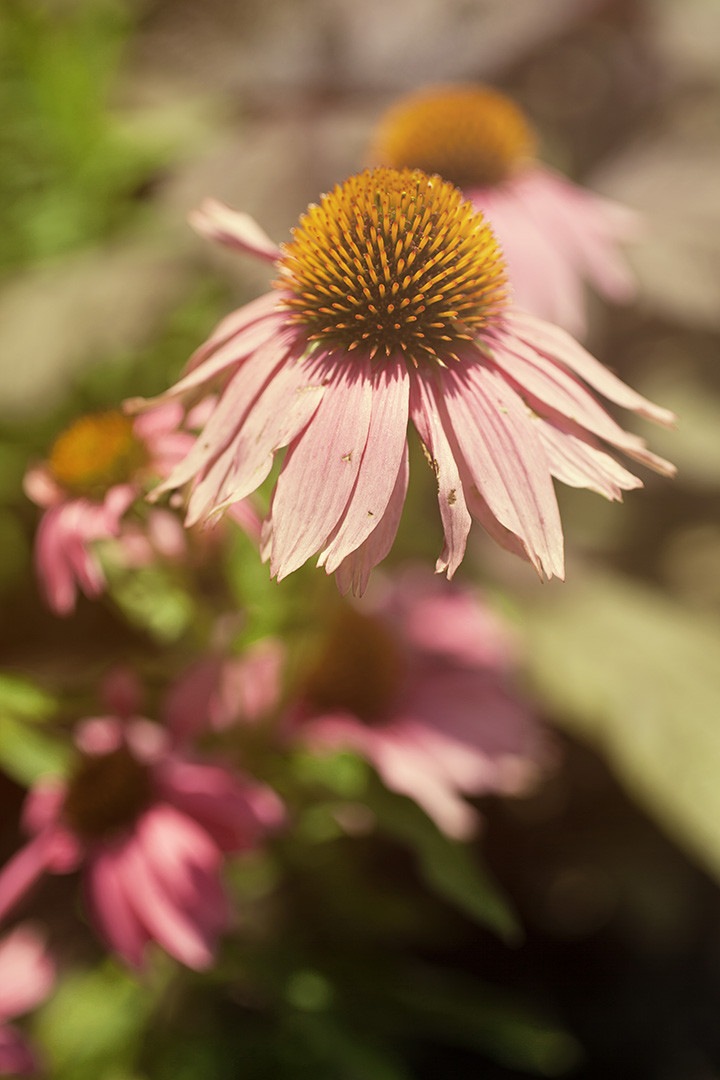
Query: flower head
x=390, y=305
x=96, y=469
x=149, y=826
x=26, y=977
x=418, y=683
x=554, y=234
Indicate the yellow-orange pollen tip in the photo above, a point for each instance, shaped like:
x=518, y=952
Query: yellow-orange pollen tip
x=471, y=135
x=393, y=262
x=96, y=452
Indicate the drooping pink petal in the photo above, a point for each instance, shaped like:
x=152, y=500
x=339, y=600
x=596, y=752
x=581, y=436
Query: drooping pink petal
x=320, y=469
x=26, y=971
x=558, y=345
x=22, y=871
x=218, y=800
x=109, y=888
x=426, y=416
x=540, y=270
x=579, y=463
x=354, y=571
x=278, y=415
x=222, y=427
x=186, y=860
x=506, y=459
x=216, y=220
x=161, y=912
x=379, y=468
x=16, y=1058
x=231, y=326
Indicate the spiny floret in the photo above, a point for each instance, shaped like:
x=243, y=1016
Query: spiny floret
x=393, y=261
x=472, y=135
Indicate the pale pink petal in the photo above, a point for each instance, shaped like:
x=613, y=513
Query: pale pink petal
x=245, y=514
x=426, y=416
x=231, y=326
x=109, y=901
x=253, y=339
x=166, y=534
x=222, y=427
x=57, y=564
x=41, y=488
x=506, y=459
x=354, y=571
x=320, y=469
x=541, y=274
x=26, y=971
x=149, y=426
x=279, y=414
x=579, y=463
x=187, y=704
x=250, y=686
x=216, y=220
x=380, y=465
x=558, y=345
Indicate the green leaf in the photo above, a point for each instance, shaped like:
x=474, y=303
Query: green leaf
x=466, y=1012
x=26, y=753
x=638, y=676
x=91, y=1026
x=450, y=869
x=25, y=700
x=152, y=601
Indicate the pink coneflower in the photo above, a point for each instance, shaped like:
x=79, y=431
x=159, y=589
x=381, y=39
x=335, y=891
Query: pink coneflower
x=96, y=470
x=391, y=305
x=149, y=826
x=26, y=977
x=555, y=235
x=418, y=684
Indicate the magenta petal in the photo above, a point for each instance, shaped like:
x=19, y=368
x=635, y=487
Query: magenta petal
x=354, y=571
x=16, y=1058
x=381, y=461
x=22, y=871
x=454, y=513
x=506, y=460
x=162, y=913
x=216, y=220
x=320, y=469
x=108, y=888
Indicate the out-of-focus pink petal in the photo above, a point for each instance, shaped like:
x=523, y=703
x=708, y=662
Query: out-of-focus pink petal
x=41, y=488
x=22, y=871
x=109, y=888
x=222, y=802
x=216, y=220
x=122, y=692
x=99, y=735
x=26, y=971
x=320, y=469
x=16, y=1058
x=161, y=898
x=166, y=534
x=245, y=514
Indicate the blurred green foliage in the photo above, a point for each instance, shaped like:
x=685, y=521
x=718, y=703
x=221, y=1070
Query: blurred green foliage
x=71, y=169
